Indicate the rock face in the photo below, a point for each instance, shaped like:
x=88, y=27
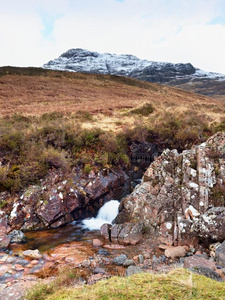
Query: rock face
x=59, y=200
x=80, y=60
x=182, y=195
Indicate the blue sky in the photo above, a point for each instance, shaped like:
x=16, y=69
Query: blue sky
x=34, y=31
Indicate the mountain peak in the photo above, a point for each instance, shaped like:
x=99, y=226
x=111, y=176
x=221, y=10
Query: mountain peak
x=81, y=60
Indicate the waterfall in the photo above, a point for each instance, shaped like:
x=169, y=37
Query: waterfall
x=106, y=214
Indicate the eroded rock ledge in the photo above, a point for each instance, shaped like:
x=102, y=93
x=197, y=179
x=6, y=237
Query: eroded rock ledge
x=182, y=196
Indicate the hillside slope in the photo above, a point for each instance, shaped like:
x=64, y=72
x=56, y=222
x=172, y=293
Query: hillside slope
x=33, y=91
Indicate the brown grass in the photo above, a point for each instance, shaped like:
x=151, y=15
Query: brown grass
x=98, y=94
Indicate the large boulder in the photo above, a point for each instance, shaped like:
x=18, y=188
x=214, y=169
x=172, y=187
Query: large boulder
x=178, y=191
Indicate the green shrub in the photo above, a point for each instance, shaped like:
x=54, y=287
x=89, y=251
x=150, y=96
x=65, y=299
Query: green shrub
x=145, y=110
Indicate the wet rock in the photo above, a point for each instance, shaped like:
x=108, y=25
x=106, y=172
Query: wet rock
x=120, y=260
x=128, y=262
x=174, y=252
x=105, y=231
x=97, y=243
x=195, y=261
x=17, y=236
x=201, y=270
x=220, y=254
x=133, y=270
x=23, y=262
x=33, y=254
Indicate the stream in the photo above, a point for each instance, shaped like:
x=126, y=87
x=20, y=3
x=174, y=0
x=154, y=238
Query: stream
x=85, y=230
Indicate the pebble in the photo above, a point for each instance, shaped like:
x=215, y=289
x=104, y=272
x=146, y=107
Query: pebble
x=103, y=252
x=120, y=260
x=141, y=258
x=99, y=271
x=129, y=262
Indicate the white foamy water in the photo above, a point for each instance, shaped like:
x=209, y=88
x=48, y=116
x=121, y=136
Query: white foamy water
x=106, y=214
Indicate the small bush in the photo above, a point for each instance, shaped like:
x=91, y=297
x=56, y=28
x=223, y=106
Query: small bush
x=145, y=110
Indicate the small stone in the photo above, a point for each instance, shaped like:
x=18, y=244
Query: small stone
x=33, y=254
x=17, y=236
x=3, y=286
x=22, y=262
x=4, y=242
x=99, y=271
x=86, y=263
x=120, y=260
x=128, y=262
x=133, y=270
x=103, y=252
x=97, y=243
x=173, y=252
x=141, y=258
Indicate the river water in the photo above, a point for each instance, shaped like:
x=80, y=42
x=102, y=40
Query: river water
x=86, y=230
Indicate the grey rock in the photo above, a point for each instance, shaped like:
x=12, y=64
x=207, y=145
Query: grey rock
x=99, y=271
x=120, y=260
x=17, y=236
x=103, y=252
x=141, y=258
x=129, y=262
x=133, y=270
x=201, y=270
x=220, y=254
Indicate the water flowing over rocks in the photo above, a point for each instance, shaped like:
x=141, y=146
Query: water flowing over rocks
x=182, y=195
x=59, y=200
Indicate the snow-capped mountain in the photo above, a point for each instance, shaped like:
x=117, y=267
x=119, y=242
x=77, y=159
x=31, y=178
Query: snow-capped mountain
x=181, y=75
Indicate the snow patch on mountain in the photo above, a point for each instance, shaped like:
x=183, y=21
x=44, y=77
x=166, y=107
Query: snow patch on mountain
x=80, y=60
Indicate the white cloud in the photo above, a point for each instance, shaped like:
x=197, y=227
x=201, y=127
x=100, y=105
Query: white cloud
x=172, y=30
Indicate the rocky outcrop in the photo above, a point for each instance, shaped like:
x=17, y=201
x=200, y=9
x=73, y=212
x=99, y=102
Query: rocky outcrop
x=60, y=199
x=182, y=195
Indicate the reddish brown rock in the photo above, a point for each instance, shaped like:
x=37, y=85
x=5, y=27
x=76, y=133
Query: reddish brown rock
x=194, y=261
x=97, y=243
x=105, y=231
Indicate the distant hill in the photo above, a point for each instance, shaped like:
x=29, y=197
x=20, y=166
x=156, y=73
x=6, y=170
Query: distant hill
x=184, y=76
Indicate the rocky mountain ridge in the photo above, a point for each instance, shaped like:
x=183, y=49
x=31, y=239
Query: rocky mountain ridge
x=181, y=75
